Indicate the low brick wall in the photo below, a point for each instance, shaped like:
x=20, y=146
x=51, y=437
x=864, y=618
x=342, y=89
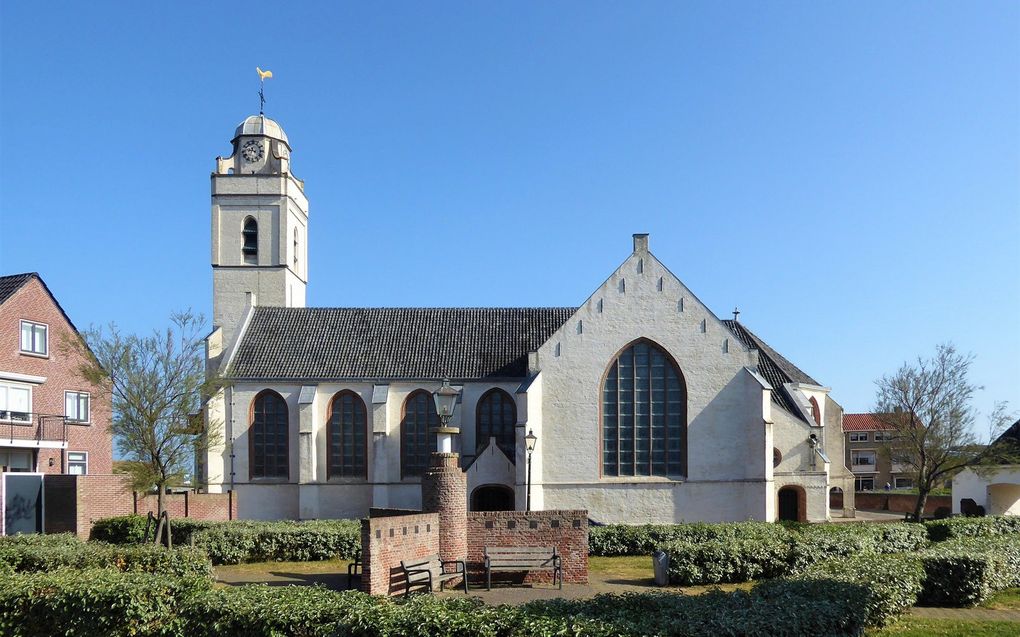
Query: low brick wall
x=898, y=502
x=566, y=530
x=101, y=496
x=215, y=507
x=389, y=537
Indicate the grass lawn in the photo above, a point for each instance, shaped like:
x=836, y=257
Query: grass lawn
x=637, y=571
x=909, y=626
x=1008, y=599
x=327, y=566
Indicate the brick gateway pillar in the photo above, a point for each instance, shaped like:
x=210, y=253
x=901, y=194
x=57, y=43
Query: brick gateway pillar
x=444, y=491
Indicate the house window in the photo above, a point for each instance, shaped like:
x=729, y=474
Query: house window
x=858, y=436
x=348, y=439
x=77, y=463
x=14, y=460
x=864, y=459
x=495, y=417
x=883, y=436
x=268, y=437
x=644, y=414
x=903, y=483
x=416, y=441
x=864, y=484
x=250, y=237
x=33, y=338
x=15, y=403
x=76, y=406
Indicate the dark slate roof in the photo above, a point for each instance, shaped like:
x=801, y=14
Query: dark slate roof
x=374, y=343
x=776, y=369
x=12, y=283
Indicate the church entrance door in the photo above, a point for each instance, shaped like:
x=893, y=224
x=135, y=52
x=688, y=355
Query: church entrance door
x=789, y=505
x=492, y=498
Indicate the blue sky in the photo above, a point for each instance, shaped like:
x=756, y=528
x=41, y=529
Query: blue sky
x=847, y=174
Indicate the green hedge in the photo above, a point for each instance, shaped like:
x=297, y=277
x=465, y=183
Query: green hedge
x=812, y=543
x=239, y=542
x=966, y=571
x=39, y=539
x=96, y=602
x=31, y=558
x=942, y=530
x=720, y=561
x=886, y=585
x=109, y=603
x=130, y=529
x=623, y=539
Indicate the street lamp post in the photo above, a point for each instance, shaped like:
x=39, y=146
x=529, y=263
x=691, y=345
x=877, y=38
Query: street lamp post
x=529, y=444
x=446, y=402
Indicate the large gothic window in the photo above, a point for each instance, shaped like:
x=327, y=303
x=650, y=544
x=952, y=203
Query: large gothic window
x=644, y=414
x=416, y=441
x=347, y=432
x=495, y=417
x=268, y=453
x=250, y=241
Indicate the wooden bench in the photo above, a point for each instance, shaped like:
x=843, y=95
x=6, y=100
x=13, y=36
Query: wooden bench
x=426, y=571
x=522, y=558
x=354, y=569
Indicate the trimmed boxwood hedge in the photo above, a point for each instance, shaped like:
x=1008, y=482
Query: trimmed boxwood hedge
x=942, y=530
x=967, y=571
x=39, y=539
x=30, y=558
x=110, y=603
x=95, y=602
x=239, y=542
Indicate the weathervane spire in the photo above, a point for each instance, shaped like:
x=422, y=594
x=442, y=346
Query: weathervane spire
x=262, y=85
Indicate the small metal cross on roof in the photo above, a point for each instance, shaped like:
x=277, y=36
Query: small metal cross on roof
x=736, y=313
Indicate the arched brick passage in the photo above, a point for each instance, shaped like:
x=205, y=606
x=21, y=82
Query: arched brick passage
x=492, y=497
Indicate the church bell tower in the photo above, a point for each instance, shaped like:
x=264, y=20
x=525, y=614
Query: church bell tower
x=259, y=227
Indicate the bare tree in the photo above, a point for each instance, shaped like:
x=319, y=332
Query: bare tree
x=156, y=385
x=928, y=405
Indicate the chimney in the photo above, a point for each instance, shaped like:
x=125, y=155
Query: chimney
x=641, y=242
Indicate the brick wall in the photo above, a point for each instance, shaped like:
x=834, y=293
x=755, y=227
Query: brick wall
x=218, y=507
x=101, y=497
x=60, y=368
x=899, y=502
x=387, y=540
x=566, y=530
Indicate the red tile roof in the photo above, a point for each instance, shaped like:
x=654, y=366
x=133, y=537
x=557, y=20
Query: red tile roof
x=863, y=422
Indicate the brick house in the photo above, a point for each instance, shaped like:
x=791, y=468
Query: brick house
x=866, y=438
x=51, y=420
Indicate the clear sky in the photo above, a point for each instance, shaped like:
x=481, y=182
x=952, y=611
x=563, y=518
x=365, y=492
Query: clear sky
x=848, y=174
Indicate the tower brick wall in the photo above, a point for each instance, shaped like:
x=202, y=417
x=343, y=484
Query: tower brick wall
x=444, y=491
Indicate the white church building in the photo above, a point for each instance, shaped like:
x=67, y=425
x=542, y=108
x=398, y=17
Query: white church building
x=646, y=406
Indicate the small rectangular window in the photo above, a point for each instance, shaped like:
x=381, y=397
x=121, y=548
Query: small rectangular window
x=862, y=458
x=33, y=338
x=76, y=406
x=903, y=483
x=858, y=436
x=864, y=484
x=77, y=463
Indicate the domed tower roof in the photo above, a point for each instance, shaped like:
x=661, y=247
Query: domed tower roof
x=261, y=125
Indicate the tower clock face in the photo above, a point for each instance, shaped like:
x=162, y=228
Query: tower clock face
x=252, y=151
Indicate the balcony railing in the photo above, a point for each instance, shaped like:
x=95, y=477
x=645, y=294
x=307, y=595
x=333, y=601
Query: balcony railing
x=29, y=426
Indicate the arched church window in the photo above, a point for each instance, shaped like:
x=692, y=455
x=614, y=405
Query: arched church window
x=347, y=436
x=267, y=453
x=644, y=414
x=250, y=237
x=416, y=441
x=495, y=417
x=816, y=413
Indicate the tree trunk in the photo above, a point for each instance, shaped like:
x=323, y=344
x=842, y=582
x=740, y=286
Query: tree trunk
x=922, y=499
x=159, y=499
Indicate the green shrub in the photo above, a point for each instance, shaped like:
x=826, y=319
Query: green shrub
x=812, y=543
x=130, y=529
x=885, y=585
x=719, y=561
x=942, y=530
x=40, y=539
x=622, y=539
x=26, y=558
x=240, y=542
x=966, y=571
x=98, y=602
